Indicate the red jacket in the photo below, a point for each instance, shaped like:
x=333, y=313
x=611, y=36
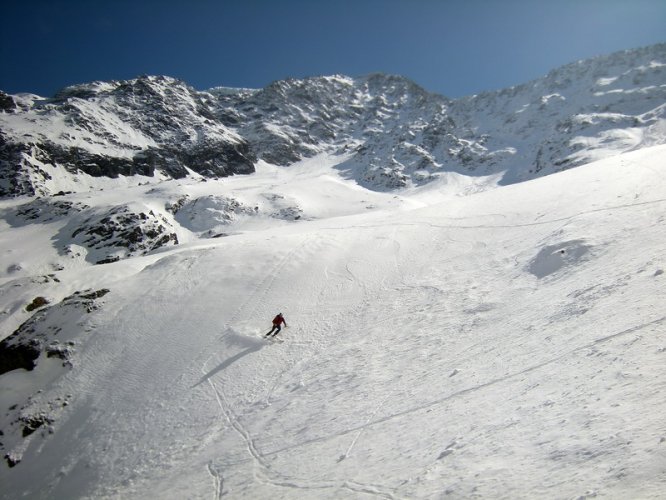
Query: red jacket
x=277, y=320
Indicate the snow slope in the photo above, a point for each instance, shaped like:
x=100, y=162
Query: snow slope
x=503, y=344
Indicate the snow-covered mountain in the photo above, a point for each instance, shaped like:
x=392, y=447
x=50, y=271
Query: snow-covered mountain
x=399, y=133
x=151, y=126
x=582, y=112
x=460, y=323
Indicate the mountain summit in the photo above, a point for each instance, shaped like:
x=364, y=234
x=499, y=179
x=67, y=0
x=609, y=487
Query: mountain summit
x=398, y=133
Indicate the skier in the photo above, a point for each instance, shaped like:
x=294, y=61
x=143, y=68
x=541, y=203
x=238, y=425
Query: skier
x=277, y=321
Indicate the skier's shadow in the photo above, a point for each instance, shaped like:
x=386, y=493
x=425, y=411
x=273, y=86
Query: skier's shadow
x=228, y=362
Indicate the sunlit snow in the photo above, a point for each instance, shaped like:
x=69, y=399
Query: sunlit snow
x=444, y=341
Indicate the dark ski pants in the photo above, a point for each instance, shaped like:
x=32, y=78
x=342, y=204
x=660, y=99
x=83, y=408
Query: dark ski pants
x=276, y=329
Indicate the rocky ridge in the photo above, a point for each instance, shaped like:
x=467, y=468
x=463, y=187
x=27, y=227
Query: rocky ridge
x=400, y=134
x=143, y=127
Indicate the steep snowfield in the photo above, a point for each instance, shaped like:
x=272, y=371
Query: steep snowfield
x=504, y=344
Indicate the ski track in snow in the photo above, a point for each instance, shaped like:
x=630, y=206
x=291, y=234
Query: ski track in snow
x=263, y=471
x=247, y=309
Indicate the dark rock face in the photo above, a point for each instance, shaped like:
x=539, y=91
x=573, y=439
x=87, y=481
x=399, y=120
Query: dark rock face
x=42, y=210
x=33, y=422
x=21, y=355
x=76, y=159
x=165, y=159
x=15, y=171
x=36, y=304
x=40, y=333
x=209, y=159
x=7, y=104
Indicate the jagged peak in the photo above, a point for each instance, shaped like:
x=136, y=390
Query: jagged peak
x=585, y=71
x=609, y=64
x=313, y=83
x=380, y=78
x=98, y=88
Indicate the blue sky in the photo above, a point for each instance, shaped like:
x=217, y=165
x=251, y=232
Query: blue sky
x=452, y=47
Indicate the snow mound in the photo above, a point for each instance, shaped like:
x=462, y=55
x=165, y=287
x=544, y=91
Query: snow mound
x=116, y=233
x=207, y=213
